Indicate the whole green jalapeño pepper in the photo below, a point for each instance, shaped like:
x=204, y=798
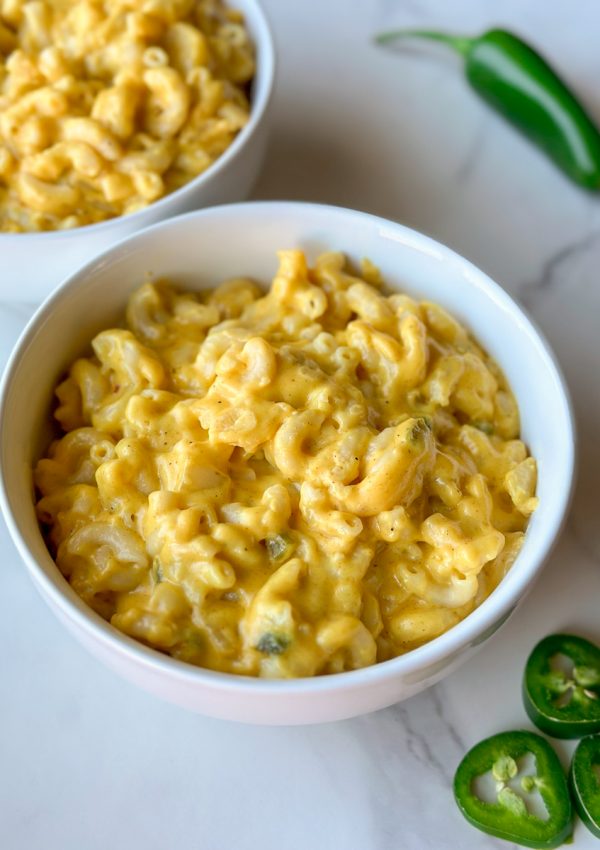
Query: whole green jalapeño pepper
x=509, y=817
x=584, y=779
x=563, y=704
x=513, y=78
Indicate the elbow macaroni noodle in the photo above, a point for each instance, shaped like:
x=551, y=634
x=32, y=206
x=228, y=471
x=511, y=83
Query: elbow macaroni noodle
x=107, y=105
x=285, y=484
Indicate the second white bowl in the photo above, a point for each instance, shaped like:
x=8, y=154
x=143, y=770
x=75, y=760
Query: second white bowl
x=33, y=264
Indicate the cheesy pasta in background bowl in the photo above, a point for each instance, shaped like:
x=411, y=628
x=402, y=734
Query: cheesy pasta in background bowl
x=116, y=113
x=314, y=499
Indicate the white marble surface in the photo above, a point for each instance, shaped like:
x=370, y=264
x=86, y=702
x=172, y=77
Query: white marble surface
x=88, y=762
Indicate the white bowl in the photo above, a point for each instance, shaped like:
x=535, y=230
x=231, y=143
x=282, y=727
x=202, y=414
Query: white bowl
x=33, y=264
x=199, y=250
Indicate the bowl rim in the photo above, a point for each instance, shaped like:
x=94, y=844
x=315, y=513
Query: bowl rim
x=266, y=59
x=470, y=631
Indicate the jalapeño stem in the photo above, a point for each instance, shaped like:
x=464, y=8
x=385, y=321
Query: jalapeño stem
x=462, y=44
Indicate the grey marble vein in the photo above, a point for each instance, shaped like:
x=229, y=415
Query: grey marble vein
x=553, y=269
x=467, y=166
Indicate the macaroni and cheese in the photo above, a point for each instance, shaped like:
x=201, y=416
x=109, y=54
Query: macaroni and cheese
x=107, y=105
x=286, y=484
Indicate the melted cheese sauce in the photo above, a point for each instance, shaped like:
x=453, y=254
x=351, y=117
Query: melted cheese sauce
x=286, y=484
x=108, y=105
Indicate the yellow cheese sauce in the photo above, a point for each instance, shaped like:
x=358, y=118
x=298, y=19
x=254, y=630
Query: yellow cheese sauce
x=287, y=484
x=107, y=105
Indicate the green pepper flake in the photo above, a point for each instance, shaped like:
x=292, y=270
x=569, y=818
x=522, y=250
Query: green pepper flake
x=485, y=427
x=516, y=81
x=157, y=569
x=509, y=817
x=279, y=546
x=563, y=705
x=585, y=782
x=418, y=430
x=272, y=644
